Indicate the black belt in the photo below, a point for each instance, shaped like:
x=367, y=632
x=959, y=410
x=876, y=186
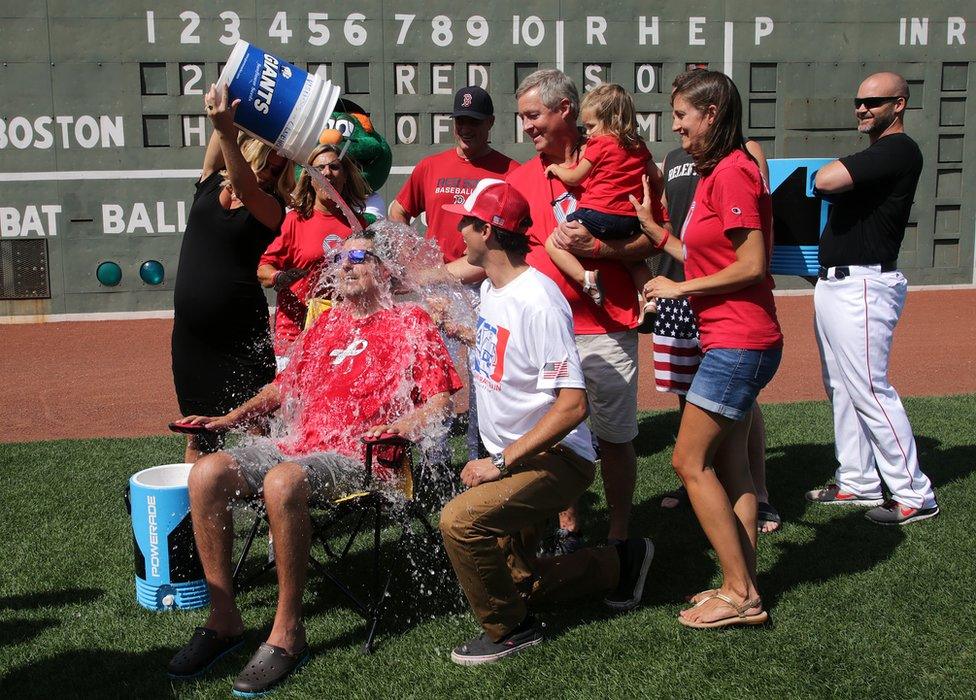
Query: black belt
x=842, y=271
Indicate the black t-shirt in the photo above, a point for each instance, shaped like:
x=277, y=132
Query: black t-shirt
x=867, y=224
x=217, y=291
x=680, y=182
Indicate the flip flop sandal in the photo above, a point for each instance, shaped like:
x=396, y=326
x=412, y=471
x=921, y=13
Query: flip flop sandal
x=203, y=650
x=739, y=618
x=679, y=495
x=706, y=593
x=768, y=514
x=269, y=666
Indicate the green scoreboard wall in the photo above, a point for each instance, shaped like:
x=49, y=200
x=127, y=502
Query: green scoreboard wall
x=102, y=132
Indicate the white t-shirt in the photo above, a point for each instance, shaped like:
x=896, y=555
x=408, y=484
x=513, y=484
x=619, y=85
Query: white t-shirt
x=524, y=349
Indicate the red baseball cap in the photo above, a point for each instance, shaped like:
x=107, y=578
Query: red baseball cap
x=496, y=202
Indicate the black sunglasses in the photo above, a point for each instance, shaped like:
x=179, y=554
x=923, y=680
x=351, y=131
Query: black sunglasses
x=872, y=102
x=356, y=257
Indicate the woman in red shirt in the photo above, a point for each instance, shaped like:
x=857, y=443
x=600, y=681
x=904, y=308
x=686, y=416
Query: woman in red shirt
x=725, y=247
x=316, y=223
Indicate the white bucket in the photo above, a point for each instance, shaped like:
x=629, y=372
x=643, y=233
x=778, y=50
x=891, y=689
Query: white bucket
x=281, y=104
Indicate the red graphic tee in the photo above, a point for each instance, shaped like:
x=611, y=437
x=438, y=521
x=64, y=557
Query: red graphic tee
x=300, y=244
x=733, y=196
x=350, y=374
x=447, y=178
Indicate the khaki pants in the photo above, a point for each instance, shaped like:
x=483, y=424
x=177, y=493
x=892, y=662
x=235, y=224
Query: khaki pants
x=491, y=536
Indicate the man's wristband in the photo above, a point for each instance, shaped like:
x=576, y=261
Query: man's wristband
x=597, y=246
x=660, y=246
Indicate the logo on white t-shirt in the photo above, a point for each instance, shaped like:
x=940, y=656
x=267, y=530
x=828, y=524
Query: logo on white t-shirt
x=354, y=348
x=489, y=356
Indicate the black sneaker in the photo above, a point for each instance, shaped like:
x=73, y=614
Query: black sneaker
x=481, y=650
x=894, y=513
x=635, y=558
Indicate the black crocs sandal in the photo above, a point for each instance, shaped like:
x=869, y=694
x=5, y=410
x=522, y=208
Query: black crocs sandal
x=203, y=650
x=269, y=666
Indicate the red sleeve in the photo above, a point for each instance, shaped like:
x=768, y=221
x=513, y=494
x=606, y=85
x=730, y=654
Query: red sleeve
x=277, y=253
x=433, y=369
x=735, y=198
x=596, y=149
x=411, y=196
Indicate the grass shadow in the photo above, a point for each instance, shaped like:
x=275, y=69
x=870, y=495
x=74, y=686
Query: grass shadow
x=46, y=599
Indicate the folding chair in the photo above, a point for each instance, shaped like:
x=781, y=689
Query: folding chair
x=385, y=506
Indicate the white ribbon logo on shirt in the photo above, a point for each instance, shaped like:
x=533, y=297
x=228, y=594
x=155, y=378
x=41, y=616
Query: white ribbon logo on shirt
x=354, y=348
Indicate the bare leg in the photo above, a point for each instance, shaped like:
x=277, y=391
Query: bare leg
x=701, y=435
x=618, y=464
x=731, y=460
x=286, y=496
x=214, y=483
x=568, y=263
x=192, y=453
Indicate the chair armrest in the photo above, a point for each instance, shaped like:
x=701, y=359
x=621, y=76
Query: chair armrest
x=384, y=439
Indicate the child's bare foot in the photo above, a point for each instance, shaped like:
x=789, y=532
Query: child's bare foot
x=645, y=322
x=591, y=285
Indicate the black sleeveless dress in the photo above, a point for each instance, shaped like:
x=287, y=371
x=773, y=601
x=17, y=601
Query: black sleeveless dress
x=222, y=349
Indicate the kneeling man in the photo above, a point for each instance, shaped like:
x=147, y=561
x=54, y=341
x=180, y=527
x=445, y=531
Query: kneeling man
x=531, y=404
x=368, y=367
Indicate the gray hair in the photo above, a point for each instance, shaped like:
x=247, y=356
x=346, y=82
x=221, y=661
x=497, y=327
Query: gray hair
x=554, y=86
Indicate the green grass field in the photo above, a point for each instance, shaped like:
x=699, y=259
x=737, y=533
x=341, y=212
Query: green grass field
x=858, y=610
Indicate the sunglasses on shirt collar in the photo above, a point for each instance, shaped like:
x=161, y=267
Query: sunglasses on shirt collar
x=355, y=257
x=872, y=102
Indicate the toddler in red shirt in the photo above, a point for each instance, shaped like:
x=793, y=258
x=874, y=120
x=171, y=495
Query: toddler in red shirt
x=611, y=167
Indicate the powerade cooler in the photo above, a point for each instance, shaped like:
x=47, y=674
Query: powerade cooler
x=168, y=571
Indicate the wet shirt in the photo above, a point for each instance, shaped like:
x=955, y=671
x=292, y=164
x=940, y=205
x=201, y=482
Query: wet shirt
x=350, y=374
x=524, y=350
x=447, y=178
x=616, y=174
x=300, y=244
x=733, y=196
x=544, y=194
x=866, y=225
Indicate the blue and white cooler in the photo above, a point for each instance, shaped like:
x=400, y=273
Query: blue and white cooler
x=168, y=571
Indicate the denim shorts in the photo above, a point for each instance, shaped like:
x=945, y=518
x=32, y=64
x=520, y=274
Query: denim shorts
x=606, y=227
x=729, y=380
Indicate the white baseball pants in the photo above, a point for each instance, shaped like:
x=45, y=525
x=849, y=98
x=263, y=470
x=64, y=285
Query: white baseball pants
x=855, y=321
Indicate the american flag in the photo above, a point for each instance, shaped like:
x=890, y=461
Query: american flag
x=556, y=370
x=676, y=350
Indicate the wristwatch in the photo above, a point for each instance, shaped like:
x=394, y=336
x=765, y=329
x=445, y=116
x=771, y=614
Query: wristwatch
x=499, y=462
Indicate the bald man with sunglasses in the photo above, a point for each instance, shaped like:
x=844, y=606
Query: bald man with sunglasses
x=858, y=300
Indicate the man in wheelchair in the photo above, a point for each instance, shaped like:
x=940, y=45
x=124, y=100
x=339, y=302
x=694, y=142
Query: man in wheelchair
x=368, y=367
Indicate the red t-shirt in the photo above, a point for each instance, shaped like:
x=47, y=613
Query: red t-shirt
x=349, y=374
x=615, y=175
x=447, y=178
x=300, y=244
x=619, y=310
x=733, y=196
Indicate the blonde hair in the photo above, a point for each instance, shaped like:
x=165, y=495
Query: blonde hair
x=256, y=154
x=355, y=191
x=611, y=104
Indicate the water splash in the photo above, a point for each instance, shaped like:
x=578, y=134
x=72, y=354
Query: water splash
x=334, y=195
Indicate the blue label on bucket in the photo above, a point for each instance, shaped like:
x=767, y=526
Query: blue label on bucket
x=268, y=88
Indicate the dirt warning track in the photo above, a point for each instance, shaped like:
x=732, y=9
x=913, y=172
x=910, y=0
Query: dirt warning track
x=113, y=378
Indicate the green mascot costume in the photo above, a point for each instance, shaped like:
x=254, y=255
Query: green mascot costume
x=350, y=123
